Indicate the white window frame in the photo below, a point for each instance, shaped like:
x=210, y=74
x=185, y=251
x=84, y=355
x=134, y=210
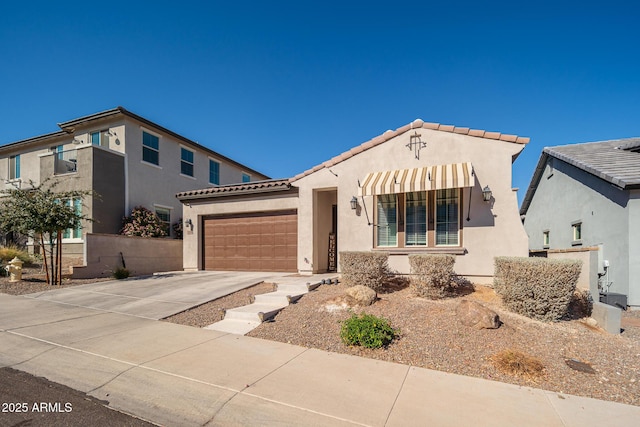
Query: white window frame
x=145, y=130
x=103, y=136
x=576, y=233
x=192, y=163
x=219, y=165
x=169, y=209
x=546, y=239
x=14, y=167
x=71, y=231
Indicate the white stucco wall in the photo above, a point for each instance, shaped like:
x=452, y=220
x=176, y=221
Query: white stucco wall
x=493, y=229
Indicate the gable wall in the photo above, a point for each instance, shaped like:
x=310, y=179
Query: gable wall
x=494, y=229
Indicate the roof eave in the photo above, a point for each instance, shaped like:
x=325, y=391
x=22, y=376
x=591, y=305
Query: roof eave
x=533, y=184
x=185, y=197
x=40, y=138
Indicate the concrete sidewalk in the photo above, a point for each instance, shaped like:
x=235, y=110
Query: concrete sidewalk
x=178, y=375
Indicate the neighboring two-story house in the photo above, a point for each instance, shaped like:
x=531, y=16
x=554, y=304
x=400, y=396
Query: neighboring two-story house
x=127, y=160
x=584, y=202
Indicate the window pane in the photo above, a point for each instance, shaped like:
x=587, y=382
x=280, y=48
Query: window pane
x=77, y=204
x=214, y=172
x=150, y=140
x=246, y=178
x=416, y=219
x=149, y=155
x=165, y=217
x=387, y=229
x=95, y=138
x=14, y=167
x=186, y=155
x=186, y=169
x=577, y=231
x=186, y=162
x=447, y=216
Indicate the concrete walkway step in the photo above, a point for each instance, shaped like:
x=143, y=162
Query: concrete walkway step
x=242, y=320
x=234, y=326
x=256, y=312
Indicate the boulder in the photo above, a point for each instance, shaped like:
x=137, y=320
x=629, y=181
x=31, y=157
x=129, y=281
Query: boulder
x=473, y=314
x=361, y=295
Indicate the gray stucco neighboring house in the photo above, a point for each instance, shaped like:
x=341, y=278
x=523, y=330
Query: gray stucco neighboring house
x=587, y=197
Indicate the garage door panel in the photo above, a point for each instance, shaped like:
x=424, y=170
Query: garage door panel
x=251, y=242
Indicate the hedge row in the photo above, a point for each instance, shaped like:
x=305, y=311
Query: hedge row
x=431, y=275
x=369, y=269
x=539, y=288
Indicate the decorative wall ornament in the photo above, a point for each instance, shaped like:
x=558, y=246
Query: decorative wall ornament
x=415, y=144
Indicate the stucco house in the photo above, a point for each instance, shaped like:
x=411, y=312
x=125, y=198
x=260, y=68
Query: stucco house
x=420, y=188
x=126, y=159
x=584, y=202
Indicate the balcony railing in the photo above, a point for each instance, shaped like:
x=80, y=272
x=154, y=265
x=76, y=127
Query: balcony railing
x=65, y=162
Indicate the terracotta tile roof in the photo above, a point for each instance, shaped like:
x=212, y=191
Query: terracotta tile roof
x=416, y=124
x=234, y=189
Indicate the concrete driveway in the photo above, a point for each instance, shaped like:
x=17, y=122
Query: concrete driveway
x=157, y=296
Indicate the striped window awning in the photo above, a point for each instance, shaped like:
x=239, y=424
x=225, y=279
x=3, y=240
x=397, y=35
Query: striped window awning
x=439, y=177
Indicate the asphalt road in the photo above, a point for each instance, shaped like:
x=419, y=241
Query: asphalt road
x=26, y=400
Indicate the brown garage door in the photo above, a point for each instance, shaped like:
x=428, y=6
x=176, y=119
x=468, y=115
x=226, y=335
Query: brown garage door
x=265, y=241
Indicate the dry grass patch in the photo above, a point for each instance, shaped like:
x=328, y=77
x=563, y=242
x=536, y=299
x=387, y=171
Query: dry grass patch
x=518, y=364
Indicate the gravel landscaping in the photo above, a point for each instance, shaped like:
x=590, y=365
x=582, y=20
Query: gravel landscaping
x=34, y=280
x=432, y=337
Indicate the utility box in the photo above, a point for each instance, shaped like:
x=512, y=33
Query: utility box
x=614, y=299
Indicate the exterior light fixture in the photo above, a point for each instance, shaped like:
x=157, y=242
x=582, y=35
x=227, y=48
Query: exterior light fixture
x=354, y=203
x=188, y=223
x=486, y=194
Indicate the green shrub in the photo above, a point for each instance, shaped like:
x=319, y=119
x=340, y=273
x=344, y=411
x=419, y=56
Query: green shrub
x=367, y=330
x=9, y=252
x=538, y=288
x=431, y=275
x=370, y=269
x=121, y=273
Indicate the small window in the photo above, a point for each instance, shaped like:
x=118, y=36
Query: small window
x=577, y=232
x=545, y=239
x=214, y=172
x=150, y=148
x=246, y=177
x=14, y=167
x=186, y=162
x=165, y=216
x=100, y=138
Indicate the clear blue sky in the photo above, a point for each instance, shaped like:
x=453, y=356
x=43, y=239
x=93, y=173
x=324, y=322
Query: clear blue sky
x=284, y=85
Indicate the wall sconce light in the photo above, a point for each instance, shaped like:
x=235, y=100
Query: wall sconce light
x=188, y=222
x=110, y=133
x=486, y=194
x=354, y=203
